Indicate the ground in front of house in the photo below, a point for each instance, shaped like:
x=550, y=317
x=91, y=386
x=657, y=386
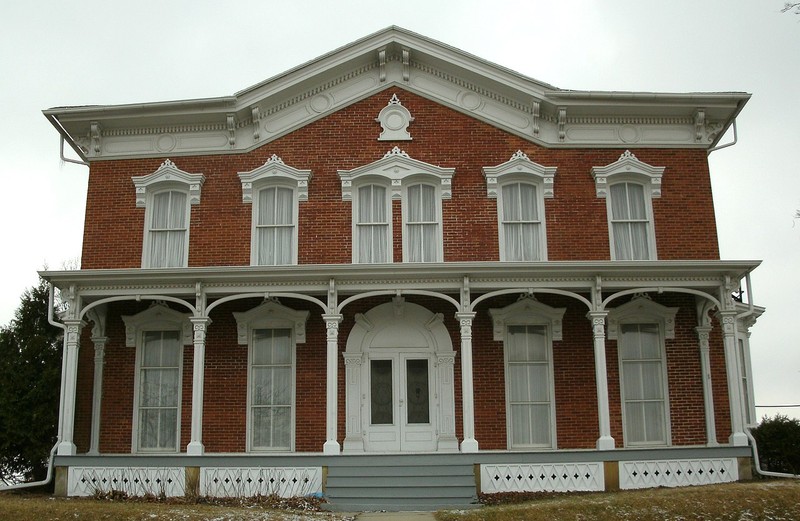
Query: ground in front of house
x=775, y=500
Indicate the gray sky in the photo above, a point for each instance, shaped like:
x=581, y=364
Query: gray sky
x=55, y=53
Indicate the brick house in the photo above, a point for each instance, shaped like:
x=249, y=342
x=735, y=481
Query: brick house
x=399, y=274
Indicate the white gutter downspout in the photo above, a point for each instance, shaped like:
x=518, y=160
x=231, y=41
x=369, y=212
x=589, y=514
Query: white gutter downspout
x=735, y=139
x=68, y=160
x=49, y=475
x=766, y=473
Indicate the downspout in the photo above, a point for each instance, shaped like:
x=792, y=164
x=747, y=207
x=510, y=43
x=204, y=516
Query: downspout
x=68, y=160
x=765, y=473
x=726, y=145
x=50, y=460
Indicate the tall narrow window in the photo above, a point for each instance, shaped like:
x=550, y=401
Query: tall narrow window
x=168, y=231
x=271, y=389
x=372, y=225
x=644, y=391
x=159, y=391
x=746, y=402
x=275, y=227
x=629, y=222
x=520, y=222
x=529, y=386
x=422, y=226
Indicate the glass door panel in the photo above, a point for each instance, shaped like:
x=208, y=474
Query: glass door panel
x=381, y=392
x=417, y=392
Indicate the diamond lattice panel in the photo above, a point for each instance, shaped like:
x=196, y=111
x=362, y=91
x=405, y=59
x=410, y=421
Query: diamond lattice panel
x=160, y=481
x=559, y=477
x=255, y=481
x=677, y=473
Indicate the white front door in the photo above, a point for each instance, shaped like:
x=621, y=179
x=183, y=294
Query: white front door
x=399, y=403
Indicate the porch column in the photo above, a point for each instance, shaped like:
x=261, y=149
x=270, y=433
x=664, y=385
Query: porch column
x=332, y=326
x=703, y=333
x=199, y=325
x=71, y=344
x=728, y=320
x=469, y=444
x=598, y=318
x=97, y=392
x=447, y=402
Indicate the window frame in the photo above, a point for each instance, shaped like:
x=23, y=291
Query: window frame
x=405, y=210
x=649, y=222
x=520, y=169
x=628, y=169
x=372, y=181
x=274, y=172
x=254, y=226
x=271, y=315
x=528, y=311
x=167, y=178
x=642, y=310
x=158, y=317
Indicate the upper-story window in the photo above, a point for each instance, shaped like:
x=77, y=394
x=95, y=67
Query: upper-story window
x=275, y=190
x=419, y=186
x=629, y=185
x=520, y=187
x=372, y=235
x=167, y=195
x=640, y=328
x=422, y=237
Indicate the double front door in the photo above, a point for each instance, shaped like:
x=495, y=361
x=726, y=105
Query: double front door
x=399, y=404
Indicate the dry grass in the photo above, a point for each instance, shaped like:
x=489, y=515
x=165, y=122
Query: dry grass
x=757, y=500
x=42, y=507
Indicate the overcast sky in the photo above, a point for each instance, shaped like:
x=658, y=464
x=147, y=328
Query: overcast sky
x=55, y=53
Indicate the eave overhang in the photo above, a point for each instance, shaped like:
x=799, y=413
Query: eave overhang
x=578, y=276
x=534, y=110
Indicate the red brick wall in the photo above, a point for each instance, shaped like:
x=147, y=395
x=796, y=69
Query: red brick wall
x=576, y=219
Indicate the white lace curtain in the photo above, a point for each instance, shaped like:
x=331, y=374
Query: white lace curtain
x=643, y=387
x=421, y=224
x=529, y=385
x=167, y=234
x=271, y=389
x=275, y=226
x=521, y=222
x=372, y=226
x=629, y=222
x=159, y=381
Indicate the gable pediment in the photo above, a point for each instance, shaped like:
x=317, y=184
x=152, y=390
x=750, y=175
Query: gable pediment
x=526, y=107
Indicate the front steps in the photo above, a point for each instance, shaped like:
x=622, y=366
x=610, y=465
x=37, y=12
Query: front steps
x=395, y=483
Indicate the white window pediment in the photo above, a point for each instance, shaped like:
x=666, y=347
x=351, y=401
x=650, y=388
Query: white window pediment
x=396, y=166
x=275, y=169
x=519, y=167
x=271, y=315
x=527, y=311
x=642, y=310
x=628, y=167
x=168, y=174
x=158, y=317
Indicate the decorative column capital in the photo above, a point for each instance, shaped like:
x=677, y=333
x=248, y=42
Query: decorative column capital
x=728, y=320
x=99, y=347
x=199, y=326
x=598, y=320
x=465, y=319
x=703, y=334
x=332, y=322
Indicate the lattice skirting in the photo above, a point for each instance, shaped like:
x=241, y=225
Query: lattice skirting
x=260, y=481
x=677, y=473
x=133, y=481
x=554, y=477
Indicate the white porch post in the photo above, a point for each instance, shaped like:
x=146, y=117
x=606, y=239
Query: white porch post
x=71, y=344
x=598, y=319
x=728, y=320
x=199, y=325
x=332, y=326
x=703, y=333
x=469, y=444
x=97, y=392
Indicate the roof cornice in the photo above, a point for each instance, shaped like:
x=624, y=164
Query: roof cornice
x=534, y=110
